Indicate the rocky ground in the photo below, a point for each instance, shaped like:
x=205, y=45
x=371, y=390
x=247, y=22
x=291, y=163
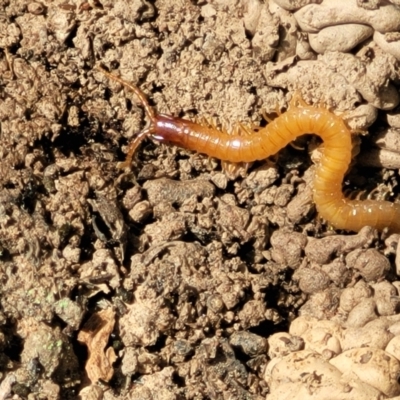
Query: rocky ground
x=182, y=278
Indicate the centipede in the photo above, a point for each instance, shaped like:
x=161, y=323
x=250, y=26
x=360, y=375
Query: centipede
x=299, y=119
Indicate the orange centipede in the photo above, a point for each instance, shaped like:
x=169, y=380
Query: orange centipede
x=299, y=119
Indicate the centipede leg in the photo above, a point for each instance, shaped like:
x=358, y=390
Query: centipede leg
x=268, y=117
x=379, y=193
x=297, y=100
x=348, y=116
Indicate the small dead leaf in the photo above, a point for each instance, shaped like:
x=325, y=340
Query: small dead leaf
x=95, y=335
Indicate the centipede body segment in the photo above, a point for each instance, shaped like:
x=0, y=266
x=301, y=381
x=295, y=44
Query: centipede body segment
x=298, y=120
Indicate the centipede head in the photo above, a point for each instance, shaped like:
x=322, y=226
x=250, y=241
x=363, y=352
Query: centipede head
x=139, y=137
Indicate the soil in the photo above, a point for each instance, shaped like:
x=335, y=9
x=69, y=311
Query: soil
x=166, y=280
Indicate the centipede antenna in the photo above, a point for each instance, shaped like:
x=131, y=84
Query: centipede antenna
x=139, y=94
x=139, y=137
x=133, y=145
